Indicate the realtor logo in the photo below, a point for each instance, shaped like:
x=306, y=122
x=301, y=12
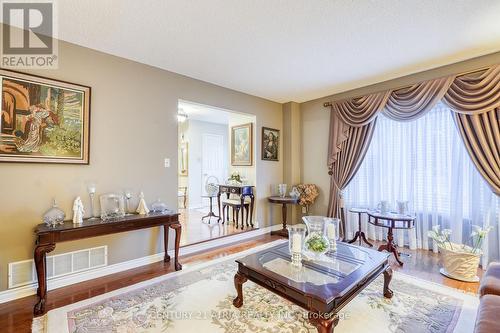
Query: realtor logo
x=28, y=37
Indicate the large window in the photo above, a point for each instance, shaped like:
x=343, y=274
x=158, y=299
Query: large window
x=425, y=162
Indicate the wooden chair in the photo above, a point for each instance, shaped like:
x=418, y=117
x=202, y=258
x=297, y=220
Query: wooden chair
x=182, y=193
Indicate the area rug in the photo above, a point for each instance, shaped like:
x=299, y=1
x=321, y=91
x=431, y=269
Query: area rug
x=199, y=299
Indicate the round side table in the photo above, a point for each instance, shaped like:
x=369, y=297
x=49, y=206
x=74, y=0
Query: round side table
x=284, y=201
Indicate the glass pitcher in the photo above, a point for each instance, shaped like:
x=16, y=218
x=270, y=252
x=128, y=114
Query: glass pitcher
x=316, y=243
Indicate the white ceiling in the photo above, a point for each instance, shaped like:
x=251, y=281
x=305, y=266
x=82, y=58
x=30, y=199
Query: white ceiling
x=286, y=50
x=210, y=114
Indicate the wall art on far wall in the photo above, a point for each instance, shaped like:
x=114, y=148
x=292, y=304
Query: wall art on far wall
x=43, y=120
x=270, y=144
x=242, y=145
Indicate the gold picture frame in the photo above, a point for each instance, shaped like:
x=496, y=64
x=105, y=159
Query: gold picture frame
x=242, y=145
x=43, y=120
x=183, y=159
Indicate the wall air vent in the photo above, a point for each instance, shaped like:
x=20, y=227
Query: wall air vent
x=23, y=273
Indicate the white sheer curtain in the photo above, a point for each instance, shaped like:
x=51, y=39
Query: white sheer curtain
x=425, y=162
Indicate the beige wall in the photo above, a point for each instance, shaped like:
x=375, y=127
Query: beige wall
x=315, y=122
x=292, y=153
x=134, y=127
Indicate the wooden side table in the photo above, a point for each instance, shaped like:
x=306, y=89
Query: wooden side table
x=211, y=212
x=391, y=221
x=359, y=234
x=284, y=201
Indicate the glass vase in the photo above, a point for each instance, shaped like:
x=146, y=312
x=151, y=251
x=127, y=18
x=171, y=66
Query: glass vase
x=332, y=232
x=296, y=237
x=316, y=243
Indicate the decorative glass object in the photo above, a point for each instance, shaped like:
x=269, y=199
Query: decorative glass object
x=282, y=190
x=128, y=196
x=54, y=216
x=332, y=232
x=383, y=207
x=296, y=236
x=159, y=207
x=402, y=207
x=211, y=185
x=112, y=206
x=316, y=243
x=91, y=189
x=294, y=193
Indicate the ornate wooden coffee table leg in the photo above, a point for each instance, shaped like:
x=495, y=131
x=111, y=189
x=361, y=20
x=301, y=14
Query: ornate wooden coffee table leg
x=324, y=323
x=41, y=273
x=239, y=279
x=387, y=279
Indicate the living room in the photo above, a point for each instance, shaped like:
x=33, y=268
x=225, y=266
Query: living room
x=360, y=191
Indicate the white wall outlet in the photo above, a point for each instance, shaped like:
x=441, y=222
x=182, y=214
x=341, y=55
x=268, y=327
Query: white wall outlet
x=167, y=163
x=304, y=209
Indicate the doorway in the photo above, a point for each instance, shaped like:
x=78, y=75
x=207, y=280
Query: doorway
x=204, y=156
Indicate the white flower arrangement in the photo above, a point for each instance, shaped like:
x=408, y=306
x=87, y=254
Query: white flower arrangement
x=442, y=238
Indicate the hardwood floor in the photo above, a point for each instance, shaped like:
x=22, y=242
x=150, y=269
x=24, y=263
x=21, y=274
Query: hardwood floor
x=16, y=316
x=195, y=231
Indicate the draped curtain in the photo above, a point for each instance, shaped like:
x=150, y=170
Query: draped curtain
x=474, y=98
x=425, y=162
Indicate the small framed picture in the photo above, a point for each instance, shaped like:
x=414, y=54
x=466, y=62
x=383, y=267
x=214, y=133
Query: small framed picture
x=242, y=145
x=270, y=144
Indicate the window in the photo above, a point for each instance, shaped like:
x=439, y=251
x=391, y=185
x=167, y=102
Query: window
x=425, y=162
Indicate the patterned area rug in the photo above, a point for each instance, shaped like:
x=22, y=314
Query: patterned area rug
x=199, y=299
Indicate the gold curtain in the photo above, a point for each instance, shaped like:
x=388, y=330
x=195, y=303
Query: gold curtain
x=474, y=99
x=351, y=153
x=481, y=136
x=413, y=102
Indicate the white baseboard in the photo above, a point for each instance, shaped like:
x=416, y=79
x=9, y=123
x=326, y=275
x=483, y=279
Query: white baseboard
x=28, y=290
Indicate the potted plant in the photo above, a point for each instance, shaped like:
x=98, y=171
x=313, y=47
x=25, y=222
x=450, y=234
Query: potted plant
x=460, y=261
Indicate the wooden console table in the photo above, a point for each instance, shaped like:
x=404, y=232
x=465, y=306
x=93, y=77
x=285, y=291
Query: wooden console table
x=47, y=237
x=242, y=191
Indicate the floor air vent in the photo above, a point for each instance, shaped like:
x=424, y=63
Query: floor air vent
x=22, y=273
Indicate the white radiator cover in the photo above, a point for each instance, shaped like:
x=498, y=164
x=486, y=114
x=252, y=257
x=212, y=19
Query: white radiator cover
x=23, y=273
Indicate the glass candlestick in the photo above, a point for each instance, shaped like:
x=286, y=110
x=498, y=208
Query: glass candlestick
x=332, y=232
x=296, y=236
x=128, y=196
x=91, y=189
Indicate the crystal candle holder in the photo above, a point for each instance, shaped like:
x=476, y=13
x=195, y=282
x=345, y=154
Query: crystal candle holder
x=296, y=236
x=332, y=232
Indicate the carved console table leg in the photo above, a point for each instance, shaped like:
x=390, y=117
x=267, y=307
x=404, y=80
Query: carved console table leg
x=178, y=229
x=324, y=322
x=387, y=279
x=165, y=242
x=239, y=279
x=41, y=273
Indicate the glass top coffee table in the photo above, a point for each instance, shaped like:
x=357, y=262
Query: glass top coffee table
x=322, y=287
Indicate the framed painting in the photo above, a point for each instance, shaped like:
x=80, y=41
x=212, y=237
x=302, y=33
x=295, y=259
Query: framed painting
x=43, y=120
x=242, y=145
x=270, y=144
